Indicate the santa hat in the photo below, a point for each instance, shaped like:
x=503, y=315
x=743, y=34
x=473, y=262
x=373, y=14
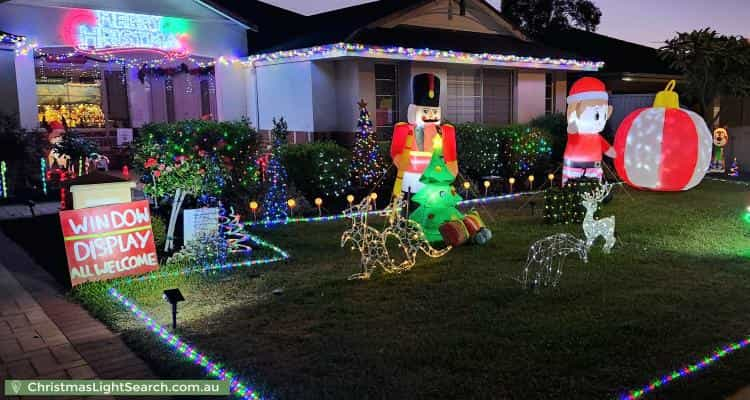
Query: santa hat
x=587, y=88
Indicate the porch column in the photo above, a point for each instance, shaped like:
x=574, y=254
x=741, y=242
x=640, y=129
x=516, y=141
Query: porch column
x=231, y=91
x=18, y=87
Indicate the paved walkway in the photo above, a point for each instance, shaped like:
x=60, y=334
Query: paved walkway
x=44, y=335
x=14, y=211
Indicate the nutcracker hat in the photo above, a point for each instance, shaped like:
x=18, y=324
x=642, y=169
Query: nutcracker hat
x=587, y=88
x=426, y=90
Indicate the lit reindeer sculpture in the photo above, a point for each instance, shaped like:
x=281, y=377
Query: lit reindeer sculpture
x=593, y=228
x=371, y=243
x=367, y=240
x=546, y=259
x=410, y=236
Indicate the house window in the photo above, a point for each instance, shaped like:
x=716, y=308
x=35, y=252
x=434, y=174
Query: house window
x=464, y=102
x=480, y=95
x=549, y=93
x=386, y=99
x=497, y=96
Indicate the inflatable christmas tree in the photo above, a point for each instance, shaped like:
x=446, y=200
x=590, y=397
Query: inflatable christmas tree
x=437, y=199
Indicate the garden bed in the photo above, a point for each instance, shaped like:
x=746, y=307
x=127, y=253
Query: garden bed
x=674, y=289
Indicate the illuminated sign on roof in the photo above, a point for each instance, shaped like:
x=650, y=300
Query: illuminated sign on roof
x=96, y=29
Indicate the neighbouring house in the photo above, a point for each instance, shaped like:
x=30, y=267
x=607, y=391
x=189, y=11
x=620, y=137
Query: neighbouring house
x=632, y=72
x=314, y=69
x=100, y=65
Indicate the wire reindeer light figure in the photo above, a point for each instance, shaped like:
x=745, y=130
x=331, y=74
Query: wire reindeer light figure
x=544, y=264
x=410, y=236
x=593, y=228
x=367, y=240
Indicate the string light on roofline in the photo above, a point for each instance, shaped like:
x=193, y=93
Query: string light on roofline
x=424, y=54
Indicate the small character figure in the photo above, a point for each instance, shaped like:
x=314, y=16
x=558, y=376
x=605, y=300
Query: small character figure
x=718, y=163
x=411, y=147
x=588, y=111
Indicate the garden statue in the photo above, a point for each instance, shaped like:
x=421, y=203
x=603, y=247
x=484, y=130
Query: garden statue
x=588, y=111
x=546, y=259
x=718, y=163
x=593, y=228
x=412, y=144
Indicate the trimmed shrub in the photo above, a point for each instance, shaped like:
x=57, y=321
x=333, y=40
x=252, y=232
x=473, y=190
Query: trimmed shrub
x=513, y=150
x=563, y=205
x=318, y=169
x=557, y=127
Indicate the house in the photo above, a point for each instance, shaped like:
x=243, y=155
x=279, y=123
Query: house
x=632, y=72
x=312, y=70
x=100, y=65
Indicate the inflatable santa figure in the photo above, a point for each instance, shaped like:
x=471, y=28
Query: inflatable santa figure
x=588, y=111
x=411, y=147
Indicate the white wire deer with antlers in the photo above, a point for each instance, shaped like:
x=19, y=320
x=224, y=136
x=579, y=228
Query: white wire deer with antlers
x=593, y=228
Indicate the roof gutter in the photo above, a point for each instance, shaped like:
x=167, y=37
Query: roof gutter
x=213, y=7
x=346, y=50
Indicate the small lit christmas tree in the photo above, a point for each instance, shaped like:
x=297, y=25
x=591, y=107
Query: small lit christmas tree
x=734, y=170
x=367, y=166
x=275, y=197
x=437, y=198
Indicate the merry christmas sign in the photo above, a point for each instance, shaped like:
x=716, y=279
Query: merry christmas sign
x=108, y=242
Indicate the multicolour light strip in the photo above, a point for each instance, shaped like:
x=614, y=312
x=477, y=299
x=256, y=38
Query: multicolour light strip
x=337, y=217
x=408, y=53
x=3, y=185
x=43, y=167
x=281, y=255
x=213, y=369
x=183, y=348
x=9, y=38
x=688, y=370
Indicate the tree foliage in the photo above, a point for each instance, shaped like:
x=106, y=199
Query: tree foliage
x=714, y=65
x=535, y=17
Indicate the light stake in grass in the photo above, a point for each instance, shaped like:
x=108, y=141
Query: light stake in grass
x=511, y=181
x=173, y=296
x=350, y=199
x=291, y=203
x=374, y=198
x=551, y=178
x=319, y=202
x=531, y=182
x=467, y=186
x=486, y=187
x=254, y=209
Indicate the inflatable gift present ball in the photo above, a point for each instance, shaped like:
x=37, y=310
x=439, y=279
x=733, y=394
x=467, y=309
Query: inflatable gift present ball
x=663, y=148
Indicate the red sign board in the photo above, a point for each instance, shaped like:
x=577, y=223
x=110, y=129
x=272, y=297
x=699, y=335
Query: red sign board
x=108, y=242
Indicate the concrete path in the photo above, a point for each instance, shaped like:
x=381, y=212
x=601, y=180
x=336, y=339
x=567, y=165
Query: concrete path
x=44, y=335
x=14, y=211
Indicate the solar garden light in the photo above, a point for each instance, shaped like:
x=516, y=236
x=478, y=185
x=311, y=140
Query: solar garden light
x=173, y=296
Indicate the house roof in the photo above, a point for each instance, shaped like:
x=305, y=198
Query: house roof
x=619, y=56
x=280, y=29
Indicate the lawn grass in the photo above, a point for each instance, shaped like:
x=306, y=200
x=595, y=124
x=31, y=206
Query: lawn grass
x=676, y=287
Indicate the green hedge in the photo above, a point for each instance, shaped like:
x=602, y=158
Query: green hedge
x=318, y=169
x=513, y=150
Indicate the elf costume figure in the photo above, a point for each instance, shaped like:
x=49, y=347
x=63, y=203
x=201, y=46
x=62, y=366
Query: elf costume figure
x=588, y=111
x=412, y=144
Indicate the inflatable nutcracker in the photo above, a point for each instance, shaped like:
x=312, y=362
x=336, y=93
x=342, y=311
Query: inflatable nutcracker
x=588, y=111
x=411, y=147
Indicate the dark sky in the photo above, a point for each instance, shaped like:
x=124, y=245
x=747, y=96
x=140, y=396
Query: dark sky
x=649, y=22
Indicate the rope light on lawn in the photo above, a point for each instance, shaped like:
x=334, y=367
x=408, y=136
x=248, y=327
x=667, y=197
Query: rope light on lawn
x=688, y=370
x=336, y=217
x=181, y=347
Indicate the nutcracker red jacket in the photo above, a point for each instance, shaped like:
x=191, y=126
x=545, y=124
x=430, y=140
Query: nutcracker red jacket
x=403, y=135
